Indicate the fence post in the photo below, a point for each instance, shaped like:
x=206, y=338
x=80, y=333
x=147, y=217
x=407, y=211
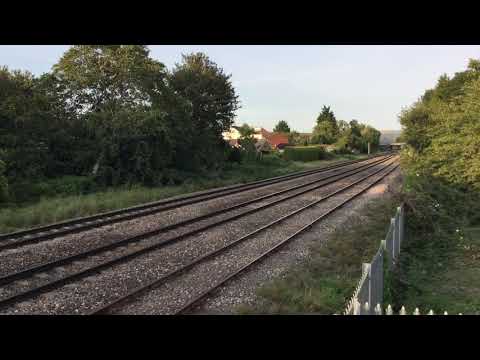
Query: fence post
x=400, y=227
x=394, y=237
x=366, y=308
x=356, y=307
x=367, y=268
x=389, y=310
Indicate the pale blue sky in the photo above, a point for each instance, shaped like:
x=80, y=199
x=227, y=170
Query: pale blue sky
x=367, y=83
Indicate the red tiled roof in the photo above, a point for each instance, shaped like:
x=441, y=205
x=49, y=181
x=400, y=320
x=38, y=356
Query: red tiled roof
x=276, y=139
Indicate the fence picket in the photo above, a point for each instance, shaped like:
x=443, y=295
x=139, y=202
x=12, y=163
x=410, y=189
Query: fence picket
x=389, y=310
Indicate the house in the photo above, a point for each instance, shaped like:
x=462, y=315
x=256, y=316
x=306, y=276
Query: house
x=276, y=140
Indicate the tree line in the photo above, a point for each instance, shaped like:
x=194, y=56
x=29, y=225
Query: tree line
x=442, y=130
x=114, y=113
x=346, y=136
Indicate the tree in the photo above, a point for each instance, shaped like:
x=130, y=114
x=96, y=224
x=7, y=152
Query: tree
x=113, y=112
x=115, y=91
x=108, y=78
x=442, y=133
x=326, y=130
x=25, y=127
x=282, y=126
x=247, y=140
x=369, y=135
x=326, y=115
x=324, y=133
x=213, y=105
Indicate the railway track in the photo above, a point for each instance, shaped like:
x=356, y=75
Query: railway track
x=43, y=233
x=55, y=281
x=48, y=266
x=190, y=305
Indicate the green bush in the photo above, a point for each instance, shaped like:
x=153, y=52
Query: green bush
x=67, y=185
x=304, y=153
x=234, y=155
x=3, y=183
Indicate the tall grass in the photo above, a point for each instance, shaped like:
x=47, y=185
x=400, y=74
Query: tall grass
x=53, y=209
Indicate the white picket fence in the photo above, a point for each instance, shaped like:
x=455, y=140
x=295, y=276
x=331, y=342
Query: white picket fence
x=370, y=287
x=377, y=310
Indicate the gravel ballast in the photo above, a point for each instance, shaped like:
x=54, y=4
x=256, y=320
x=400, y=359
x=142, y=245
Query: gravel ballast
x=85, y=295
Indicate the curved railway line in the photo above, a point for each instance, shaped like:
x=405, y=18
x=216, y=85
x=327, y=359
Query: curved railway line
x=50, y=276
x=38, y=234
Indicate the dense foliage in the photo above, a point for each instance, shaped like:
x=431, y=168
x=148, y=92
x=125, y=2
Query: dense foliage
x=347, y=136
x=115, y=115
x=442, y=184
x=442, y=130
x=296, y=138
x=326, y=130
x=282, y=126
x=304, y=153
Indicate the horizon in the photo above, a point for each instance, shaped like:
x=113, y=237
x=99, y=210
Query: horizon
x=371, y=84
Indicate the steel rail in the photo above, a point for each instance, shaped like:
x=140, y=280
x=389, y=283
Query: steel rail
x=17, y=275
x=103, y=265
x=230, y=276
x=17, y=244
x=143, y=288
x=84, y=223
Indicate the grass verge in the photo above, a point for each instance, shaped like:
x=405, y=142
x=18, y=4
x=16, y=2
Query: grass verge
x=324, y=283
x=439, y=278
x=57, y=208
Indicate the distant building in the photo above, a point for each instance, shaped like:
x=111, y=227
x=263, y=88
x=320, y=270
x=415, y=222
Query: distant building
x=276, y=140
x=397, y=146
x=388, y=140
x=388, y=137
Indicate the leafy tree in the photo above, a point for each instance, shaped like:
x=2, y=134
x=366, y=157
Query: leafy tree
x=326, y=130
x=442, y=134
x=213, y=101
x=282, y=126
x=113, y=112
x=109, y=87
x=108, y=78
x=247, y=140
x=295, y=138
x=356, y=136
x=369, y=135
x=27, y=126
x=326, y=115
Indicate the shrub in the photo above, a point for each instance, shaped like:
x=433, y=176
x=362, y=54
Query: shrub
x=67, y=185
x=304, y=153
x=234, y=155
x=3, y=183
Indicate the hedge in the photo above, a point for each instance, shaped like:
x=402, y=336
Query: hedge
x=304, y=153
